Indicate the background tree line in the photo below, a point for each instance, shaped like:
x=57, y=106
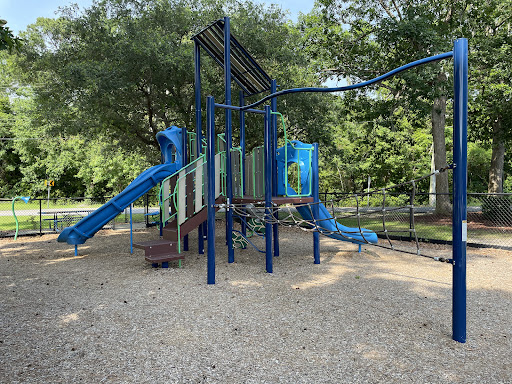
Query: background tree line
x=83, y=98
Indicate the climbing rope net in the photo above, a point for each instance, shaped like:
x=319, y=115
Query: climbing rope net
x=393, y=219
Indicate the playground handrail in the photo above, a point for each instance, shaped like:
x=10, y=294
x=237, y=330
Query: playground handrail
x=222, y=137
x=378, y=79
x=162, y=200
x=174, y=194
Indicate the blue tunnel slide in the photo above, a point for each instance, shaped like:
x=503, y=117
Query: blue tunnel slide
x=298, y=152
x=170, y=142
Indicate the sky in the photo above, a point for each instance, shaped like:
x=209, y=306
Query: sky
x=20, y=13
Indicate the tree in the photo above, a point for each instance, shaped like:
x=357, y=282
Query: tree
x=491, y=75
x=356, y=36
x=106, y=80
x=359, y=40
x=368, y=141
x=8, y=41
x=10, y=175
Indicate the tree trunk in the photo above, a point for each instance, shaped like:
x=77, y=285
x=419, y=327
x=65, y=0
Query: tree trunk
x=443, y=205
x=497, y=159
x=432, y=189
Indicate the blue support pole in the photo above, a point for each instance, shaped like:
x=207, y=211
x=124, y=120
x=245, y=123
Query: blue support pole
x=242, y=136
x=161, y=216
x=229, y=139
x=273, y=121
x=268, y=190
x=316, y=200
x=460, y=132
x=184, y=162
x=242, y=146
x=131, y=229
x=210, y=201
x=199, y=128
x=76, y=250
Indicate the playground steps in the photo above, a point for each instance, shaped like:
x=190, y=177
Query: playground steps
x=165, y=250
x=159, y=251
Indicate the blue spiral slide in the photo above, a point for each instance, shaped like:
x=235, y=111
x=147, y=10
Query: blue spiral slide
x=298, y=152
x=170, y=142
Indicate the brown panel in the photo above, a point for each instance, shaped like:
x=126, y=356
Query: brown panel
x=190, y=194
x=153, y=247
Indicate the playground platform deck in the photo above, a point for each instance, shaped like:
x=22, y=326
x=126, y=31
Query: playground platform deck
x=280, y=200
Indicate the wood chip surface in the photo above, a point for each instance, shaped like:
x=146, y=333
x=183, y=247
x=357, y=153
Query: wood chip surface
x=379, y=316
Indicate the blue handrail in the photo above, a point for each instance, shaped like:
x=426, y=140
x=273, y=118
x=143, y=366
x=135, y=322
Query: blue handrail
x=413, y=64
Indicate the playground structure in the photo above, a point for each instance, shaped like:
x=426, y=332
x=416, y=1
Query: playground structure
x=200, y=174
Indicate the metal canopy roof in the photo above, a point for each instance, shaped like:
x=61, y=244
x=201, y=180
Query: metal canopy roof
x=244, y=69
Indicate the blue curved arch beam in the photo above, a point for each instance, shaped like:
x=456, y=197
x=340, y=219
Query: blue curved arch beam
x=378, y=79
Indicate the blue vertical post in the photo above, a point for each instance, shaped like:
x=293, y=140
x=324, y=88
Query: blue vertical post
x=131, y=228
x=160, y=214
x=160, y=224
x=316, y=201
x=229, y=139
x=199, y=130
x=460, y=151
x=210, y=174
x=76, y=250
x=242, y=146
x=268, y=190
x=273, y=121
x=184, y=162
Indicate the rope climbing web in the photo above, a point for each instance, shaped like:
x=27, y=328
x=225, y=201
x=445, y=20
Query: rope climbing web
x=391, y=216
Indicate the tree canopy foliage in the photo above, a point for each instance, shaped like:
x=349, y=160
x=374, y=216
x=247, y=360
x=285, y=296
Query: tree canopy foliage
x=8, y=41
x=358, y=40
x=82, y=101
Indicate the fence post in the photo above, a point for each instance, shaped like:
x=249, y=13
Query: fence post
x=40, y=217
x=146, y=210
x=411, y=214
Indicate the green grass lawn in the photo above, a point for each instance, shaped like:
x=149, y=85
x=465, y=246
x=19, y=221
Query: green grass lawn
x=7, y=223
x=33, y=205
x=396, y=222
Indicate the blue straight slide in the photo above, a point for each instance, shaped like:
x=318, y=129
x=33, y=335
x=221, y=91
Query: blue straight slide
x=170, y=144
x=89, y=225
x=297, y=152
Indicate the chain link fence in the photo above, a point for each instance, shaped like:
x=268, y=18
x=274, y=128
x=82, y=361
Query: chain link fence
x=489, y=216
x=41, y=216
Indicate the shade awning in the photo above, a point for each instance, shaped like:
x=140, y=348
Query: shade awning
x=244, y=69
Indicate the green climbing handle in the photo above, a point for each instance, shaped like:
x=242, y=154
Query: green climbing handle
x=25, y=199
